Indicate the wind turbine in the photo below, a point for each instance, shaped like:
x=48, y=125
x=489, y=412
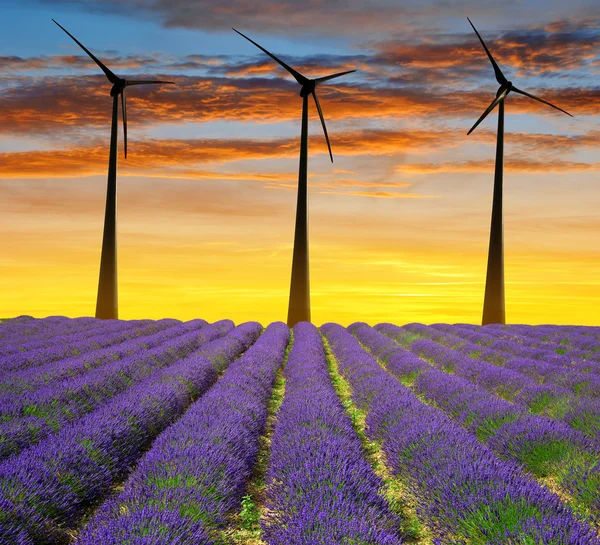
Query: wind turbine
x=493, y=305
x=299, y=305
x=107, y=302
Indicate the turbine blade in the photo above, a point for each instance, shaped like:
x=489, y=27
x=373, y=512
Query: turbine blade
x=494, y=103
x=146, y=82
x=323, y=123
x=111, y=77
x=123, y=104
x=539, y=100
x=500, y=77
x=297, y=75
x=326, y=78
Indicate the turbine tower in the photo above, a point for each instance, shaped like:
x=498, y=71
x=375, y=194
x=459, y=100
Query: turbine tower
x=493, y=305
x=299, y=305
x=107, y=301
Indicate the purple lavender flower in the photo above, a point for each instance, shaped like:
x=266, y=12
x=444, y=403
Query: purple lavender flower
x=463, y=489
x=48, y=486
x=549, y=399
x=29, y=417
x=544, y=447
x=198, y=468
x=320, y=488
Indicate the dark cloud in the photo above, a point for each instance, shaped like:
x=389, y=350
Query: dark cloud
x=450, y=59
x=342, y=18
x=46, y=104
x=286, y=16
x=11, y=64
x=522, y=165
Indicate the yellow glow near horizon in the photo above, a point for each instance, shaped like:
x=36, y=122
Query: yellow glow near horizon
x=366, y=264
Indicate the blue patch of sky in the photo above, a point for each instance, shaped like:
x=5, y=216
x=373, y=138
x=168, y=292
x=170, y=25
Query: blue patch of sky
x=224, y=129
x=16, y=144
x=583, y=155
x=27, y=30
x=548, y=123
x=520, y=122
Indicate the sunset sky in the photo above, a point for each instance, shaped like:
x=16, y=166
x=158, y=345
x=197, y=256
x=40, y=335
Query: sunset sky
x=399, y=223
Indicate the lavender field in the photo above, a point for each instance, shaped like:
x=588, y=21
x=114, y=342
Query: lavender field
x=190, y=433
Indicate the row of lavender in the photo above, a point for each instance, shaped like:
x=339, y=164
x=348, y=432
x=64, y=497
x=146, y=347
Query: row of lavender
x=319, y=461
x=471, y=362
x=523, y=347
x=546, y=448
x=582, y=377
x=25, y=328
x=465, y=491
x=579, y=341
x=37, y=403
x=548, y=342
x=320, y=487
x=47, y=488
x=37, y=353
x=196, y=471
x=18, y=381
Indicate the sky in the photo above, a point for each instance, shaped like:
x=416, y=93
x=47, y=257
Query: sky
x=398, y=224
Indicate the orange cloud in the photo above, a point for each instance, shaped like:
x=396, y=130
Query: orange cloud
x=514, y=165
x=188, y=158
x=13, y=63
x=60, y=105
x=380, y=194
x=176, y=157
x=552, y=143
x=558, y=47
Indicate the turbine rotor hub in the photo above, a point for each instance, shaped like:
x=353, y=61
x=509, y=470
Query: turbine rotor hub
x=505, y=87
x=118, y=87
x=307, y=88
